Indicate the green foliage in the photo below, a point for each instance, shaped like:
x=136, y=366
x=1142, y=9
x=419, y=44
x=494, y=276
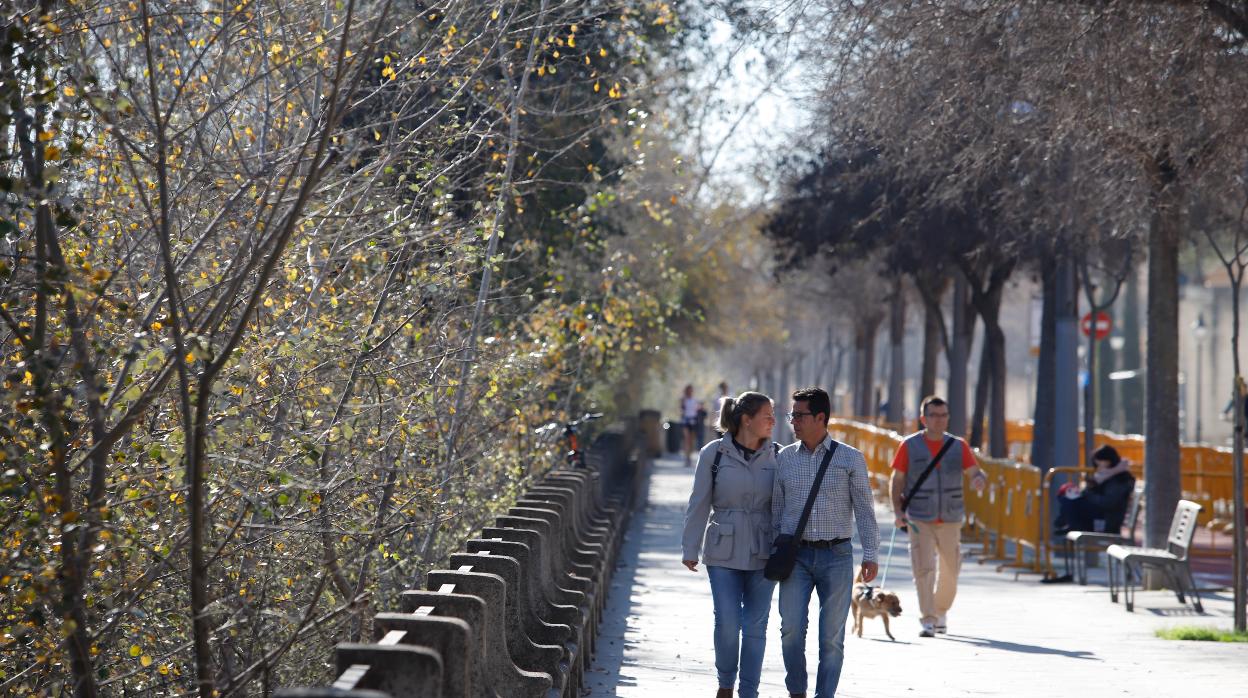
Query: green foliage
x=185, y=257
x=1201, y=633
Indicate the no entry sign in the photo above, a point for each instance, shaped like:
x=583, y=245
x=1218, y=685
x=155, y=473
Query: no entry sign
x=1103, y=325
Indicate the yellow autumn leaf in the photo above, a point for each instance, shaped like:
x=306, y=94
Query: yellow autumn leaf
x=135, y=650
x=145, y=660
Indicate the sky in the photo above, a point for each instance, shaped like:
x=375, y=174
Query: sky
x=760, y=115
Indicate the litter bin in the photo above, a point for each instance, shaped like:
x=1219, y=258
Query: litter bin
x=650, y=426
x=675, y=436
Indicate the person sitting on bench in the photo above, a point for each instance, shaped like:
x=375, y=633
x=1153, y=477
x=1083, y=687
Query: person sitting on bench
x=1102, y=505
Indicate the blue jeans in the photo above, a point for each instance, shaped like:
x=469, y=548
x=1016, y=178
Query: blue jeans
x=828, y=571
x=742, y=601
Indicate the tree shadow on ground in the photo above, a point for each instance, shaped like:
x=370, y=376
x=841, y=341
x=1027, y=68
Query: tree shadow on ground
x=1006, y=646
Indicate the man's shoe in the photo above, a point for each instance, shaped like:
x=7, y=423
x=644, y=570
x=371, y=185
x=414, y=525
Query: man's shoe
x=724, y=693
x=941, y=627
x=928, y=630
x=797, y=695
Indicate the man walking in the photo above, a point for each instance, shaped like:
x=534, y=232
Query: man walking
x=935, y=509
x=825, y=557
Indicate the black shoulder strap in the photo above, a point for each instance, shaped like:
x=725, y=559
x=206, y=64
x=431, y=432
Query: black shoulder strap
x=905, y=501
x=776, y=446
x=814, y=491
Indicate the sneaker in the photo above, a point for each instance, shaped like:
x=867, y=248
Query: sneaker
x=928, y=630
x=941, y=627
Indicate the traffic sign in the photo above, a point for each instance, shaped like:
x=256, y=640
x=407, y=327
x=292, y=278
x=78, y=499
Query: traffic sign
x=1103, y=325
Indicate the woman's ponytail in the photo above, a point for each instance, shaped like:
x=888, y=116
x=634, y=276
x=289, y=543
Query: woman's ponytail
x=729, y=420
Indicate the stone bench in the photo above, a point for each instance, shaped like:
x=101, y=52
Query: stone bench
x=516, y=613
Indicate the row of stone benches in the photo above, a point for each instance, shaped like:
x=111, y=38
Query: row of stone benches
x=516, y=614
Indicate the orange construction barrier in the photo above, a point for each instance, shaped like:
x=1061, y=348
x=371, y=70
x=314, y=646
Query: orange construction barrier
x=1206, y=470
x=1014, y=510
x=1006, y=512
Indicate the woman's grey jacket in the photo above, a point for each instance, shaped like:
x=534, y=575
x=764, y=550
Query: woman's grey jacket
x=739, y=533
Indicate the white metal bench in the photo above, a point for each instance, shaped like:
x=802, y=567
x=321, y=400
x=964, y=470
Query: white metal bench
x=1172, y=560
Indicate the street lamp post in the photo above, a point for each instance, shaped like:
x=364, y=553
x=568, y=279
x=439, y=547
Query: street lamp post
x=1200, y=332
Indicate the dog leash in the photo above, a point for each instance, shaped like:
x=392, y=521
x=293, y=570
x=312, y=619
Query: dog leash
x=888, y=560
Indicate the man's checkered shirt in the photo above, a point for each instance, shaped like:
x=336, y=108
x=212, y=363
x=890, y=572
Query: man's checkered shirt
x=845, y=495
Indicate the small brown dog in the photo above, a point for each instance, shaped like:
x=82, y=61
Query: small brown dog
x=869, y=602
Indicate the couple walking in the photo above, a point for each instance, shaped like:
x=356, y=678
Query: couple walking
x=748, y=490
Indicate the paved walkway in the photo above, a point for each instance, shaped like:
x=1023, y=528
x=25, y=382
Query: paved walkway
x=1007, y=637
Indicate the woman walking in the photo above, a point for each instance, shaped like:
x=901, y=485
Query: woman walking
x=730, y=509
x=690, y=414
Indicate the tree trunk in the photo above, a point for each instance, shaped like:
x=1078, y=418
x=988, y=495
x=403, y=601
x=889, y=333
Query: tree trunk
x=1089, y=395
x=994, y=340
x=784, y=392
x=986, y=294
x=853, y=382
x=1106, y=399
x=1044, y=418
x=834, y=381
x=1161, y=420
x=1132, y=390
x=897, y=367
x=1066, y=375
x=959, y=352
x=931, y=351
x=983, y=384
x=864, y=347
x=932, y=288
x=1238, y=572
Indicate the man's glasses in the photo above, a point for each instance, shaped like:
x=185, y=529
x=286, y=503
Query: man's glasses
x=798, y=415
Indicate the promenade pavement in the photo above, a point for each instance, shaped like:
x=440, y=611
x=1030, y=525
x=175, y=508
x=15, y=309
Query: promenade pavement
x=1007, y=637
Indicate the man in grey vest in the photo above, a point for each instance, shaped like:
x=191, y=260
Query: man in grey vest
x=935, y=511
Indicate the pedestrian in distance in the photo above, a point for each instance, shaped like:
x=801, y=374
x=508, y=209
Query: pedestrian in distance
x=926, y=490
x=824, y=561
x=728, y=521
x=690, y=407
x=1102, y=504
